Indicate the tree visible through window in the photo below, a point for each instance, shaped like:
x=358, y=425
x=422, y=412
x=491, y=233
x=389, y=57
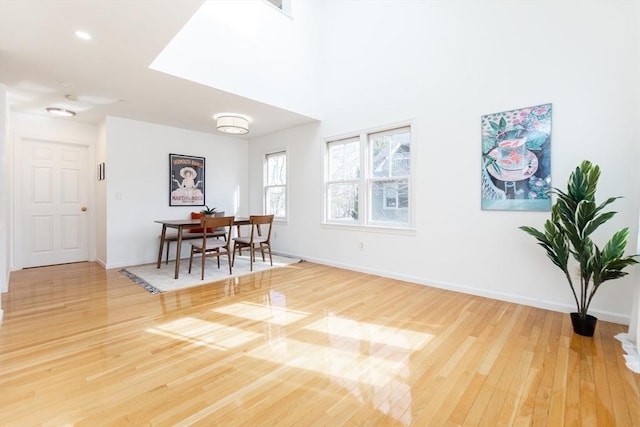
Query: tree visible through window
x=343, y=178
x=275, y=189
x=381, y=196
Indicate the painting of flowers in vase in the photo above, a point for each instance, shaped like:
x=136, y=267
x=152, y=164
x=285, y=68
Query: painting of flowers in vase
x=516, y=159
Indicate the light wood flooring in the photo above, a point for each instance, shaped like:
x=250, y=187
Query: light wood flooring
x=304, y=345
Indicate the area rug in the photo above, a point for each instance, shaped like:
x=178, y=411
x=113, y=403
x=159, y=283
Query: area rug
x=157, y=280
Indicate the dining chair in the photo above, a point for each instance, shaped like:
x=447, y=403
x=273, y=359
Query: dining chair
x=220, y=231
x=194, y=232
x=216, y=233
x=211, y=245
x=258, y=236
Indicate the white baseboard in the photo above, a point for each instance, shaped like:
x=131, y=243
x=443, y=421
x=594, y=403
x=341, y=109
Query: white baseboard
x=128, y=264
x=517, y=299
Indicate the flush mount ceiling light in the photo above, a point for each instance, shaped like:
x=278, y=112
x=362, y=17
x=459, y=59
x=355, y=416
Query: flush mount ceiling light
x=232, y=124
x=60, y=112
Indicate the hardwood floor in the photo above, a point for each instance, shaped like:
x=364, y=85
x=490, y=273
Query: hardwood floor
x=297, y=346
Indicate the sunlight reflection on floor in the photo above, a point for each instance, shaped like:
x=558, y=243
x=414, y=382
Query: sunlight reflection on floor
x=266, y=313
x=370, y=361
x=202, y=332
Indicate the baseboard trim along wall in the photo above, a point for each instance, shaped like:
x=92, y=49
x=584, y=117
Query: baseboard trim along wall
x=517, y=299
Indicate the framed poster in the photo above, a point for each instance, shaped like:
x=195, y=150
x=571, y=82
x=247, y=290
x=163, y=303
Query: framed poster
x=516, y=159
x=186, y=180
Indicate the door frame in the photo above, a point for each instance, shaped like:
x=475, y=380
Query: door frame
x=16, y=257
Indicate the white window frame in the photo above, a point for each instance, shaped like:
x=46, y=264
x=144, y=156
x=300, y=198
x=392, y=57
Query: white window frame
x=366, y=181
x=267, y=186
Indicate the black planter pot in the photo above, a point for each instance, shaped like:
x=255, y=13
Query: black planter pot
x=585, y=327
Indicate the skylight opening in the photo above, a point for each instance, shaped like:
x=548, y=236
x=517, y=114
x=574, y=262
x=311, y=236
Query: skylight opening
x=282, y=5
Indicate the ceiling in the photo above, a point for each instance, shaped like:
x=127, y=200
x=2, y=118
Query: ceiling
x=43, y=64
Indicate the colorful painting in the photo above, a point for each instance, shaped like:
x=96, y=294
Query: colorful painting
x=516, y=159
x=186, y=180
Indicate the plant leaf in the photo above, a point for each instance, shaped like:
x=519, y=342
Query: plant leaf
x=596, y=222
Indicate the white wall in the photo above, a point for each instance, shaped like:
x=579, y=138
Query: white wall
x=634, y=330
x=251, y=49
x=444, y=64
x=634, y=327
x=4, y=195
x=137, y=184
x=136, y=189
x=100, y=210
x=305, y=182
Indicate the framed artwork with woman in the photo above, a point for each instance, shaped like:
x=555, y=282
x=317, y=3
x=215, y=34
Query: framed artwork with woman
x=186, y=180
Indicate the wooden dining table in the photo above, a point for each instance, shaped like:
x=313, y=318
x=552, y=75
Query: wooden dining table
x=180, y=225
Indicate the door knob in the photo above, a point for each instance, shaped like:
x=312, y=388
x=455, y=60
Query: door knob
x=84, y=209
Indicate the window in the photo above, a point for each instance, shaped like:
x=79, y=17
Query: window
x=275, y=188
x=380, y=194
x=390, y=155
x=343, y=179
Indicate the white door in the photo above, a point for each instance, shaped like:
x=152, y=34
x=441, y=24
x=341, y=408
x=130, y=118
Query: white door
x=54, y=203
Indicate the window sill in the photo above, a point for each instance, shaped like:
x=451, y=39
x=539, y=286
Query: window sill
x=370, y=228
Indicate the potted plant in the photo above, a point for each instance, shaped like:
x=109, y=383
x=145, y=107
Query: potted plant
x=208, y=211
x=574, y=217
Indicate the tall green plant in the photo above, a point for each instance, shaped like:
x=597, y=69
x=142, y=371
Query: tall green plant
x=574, y=217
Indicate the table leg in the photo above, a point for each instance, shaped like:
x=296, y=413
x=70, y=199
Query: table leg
x=178, y=249
x=162, y=238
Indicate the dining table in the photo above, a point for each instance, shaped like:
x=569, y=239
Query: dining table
x=180, y=225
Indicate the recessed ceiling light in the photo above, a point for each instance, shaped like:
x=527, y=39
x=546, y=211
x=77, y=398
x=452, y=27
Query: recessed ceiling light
x=71, y=97
x=83, y=35
x=60, y=112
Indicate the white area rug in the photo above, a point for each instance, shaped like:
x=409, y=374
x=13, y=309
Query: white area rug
x=156, y=280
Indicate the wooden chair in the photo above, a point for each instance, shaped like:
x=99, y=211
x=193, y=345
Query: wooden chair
x=193, y=233
x=213, y=246
x=220, y=231
x=257, y=236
